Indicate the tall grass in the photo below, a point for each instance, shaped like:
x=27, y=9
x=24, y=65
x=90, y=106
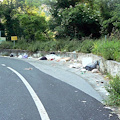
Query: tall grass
x=114, y=92
x=6, y=45
x=109, y=48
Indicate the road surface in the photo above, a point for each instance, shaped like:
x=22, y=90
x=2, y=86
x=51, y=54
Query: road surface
x=26, y=93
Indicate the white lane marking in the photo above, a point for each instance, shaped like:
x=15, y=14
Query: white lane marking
x=3, y=64
x=39, y=105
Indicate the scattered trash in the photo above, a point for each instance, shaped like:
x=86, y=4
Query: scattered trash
x=28, y=68
x=107, y=94
x=74, y=52
x=83, y=71
x=62, y=60
x=52, y=53
x=25, y=56
x=76, y=91
x=51, y=57
x=107, y=107
x=30, y=57
x=12, y=55
x=110, y=115
x=66, y=58
x=75, y=65
x=86, y=61
x=20, y=56
x=95, y=71
x=84, y=101
x=91, y=66
x=43, y=58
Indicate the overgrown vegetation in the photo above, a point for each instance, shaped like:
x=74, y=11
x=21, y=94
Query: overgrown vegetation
x=48, y=20
x=114, y=92
x=107, y=48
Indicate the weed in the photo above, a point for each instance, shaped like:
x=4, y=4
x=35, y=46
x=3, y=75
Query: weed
x=114, y=92
x=86, y=46
x=6, y=45
x=5, y=54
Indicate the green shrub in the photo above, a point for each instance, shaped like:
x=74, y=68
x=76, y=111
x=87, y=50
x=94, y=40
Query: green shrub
x=6, y=45
x=21, y=44
x=34, y=46
x=5, y=54
x=108, y=49
x=114, y=92
x=86, y=46
x=97, y=47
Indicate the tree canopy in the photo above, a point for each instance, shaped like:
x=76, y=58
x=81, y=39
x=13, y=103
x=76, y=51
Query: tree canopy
x=39, y=19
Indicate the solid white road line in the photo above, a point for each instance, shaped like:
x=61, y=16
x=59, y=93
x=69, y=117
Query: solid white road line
x=39, y=105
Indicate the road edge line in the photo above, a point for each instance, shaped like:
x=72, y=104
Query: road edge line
x=38, y=103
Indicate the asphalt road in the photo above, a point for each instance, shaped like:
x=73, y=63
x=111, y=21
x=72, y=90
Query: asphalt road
x=23, y=88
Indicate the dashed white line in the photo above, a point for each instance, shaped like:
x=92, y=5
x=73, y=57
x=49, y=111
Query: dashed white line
x=38, y=103
x=3, y=64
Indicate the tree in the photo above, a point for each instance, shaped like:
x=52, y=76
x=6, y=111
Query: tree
x=2, y=29
x=110, y=16
x=34, y=27
x=80, y=21
x=10, y=21
x=78, y=18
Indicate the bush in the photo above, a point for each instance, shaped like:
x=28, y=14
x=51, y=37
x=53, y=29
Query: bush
x=34, y=46
x=21, y=44
x=114, y=92
x=86, y=46
x=108, y=49
x=97, y=47
x=79, y=21
x=6, y=45
x=42, y=46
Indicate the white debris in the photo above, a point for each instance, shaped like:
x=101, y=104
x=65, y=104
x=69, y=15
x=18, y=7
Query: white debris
x=30, y=57
x=50, y=57
x=95, y=71
x=83, y=70
x=66, y=58
x=110, y=115
x=107, y=107
x=74, y=52
x=53, y=57
x=20, y=56
x=75, y=65
x=86, y=61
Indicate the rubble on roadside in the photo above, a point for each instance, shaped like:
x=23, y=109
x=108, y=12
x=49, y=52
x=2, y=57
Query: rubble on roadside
x=12, y=55
x=86, y=64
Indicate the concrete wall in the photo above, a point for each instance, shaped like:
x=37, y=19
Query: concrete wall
x=106, y=66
